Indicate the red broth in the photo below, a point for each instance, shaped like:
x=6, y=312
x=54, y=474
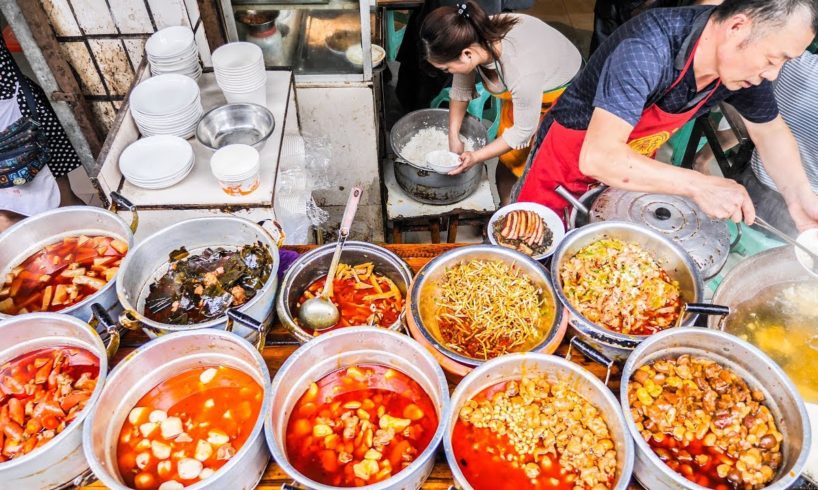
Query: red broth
x=62, y=274
x=359, y=425
x=41, y=393
x=187, y=427
x=695, y=461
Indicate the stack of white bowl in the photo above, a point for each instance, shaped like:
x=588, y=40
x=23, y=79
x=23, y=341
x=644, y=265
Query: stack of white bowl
x=240, y=73
x=173, y=50
x=156, y=162
x=167, y=104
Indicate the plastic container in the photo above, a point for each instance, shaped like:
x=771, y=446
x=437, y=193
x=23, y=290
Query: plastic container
x=236, y=167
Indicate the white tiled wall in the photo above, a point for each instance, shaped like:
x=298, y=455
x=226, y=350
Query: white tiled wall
x=104, y=41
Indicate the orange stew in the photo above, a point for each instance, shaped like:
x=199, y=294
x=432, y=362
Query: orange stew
x=62, y=274
x=363, y=297
x=359, y=425
x=42, y=393
x=188, y=427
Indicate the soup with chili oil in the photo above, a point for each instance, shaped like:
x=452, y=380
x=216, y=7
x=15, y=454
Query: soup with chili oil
x=359, y=425
x=62, y=274
x=548, y=438
x=41, y=393
x=187, y=427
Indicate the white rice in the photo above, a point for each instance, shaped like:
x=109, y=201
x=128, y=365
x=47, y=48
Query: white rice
x=428, y=140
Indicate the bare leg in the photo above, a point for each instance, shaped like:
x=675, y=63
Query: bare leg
x=9, y=218
x=505, y=179
x=67, y=196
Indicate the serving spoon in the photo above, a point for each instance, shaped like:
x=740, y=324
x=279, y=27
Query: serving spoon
x=783, y=236
x=320, y=313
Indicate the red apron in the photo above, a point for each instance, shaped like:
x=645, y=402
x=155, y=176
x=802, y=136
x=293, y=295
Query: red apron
x=557, y=160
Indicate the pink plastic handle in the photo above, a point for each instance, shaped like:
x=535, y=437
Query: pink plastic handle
x=350, y=210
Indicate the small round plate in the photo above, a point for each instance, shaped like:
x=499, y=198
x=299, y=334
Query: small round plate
x=552, y=221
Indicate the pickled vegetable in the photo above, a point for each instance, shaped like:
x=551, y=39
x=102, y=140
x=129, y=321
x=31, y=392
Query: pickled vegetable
x=62, y=274
x=359, y=425
x=41, y=393
x=187, y=427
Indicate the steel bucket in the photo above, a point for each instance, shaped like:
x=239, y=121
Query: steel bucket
x=60, y=463
x=157, y=361
x=423, y=184
x=341, y=348
x=557, y=369
x=758, y=370
x=150, y=258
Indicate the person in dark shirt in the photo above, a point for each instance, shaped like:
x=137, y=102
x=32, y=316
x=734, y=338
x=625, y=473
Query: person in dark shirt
x=655, y=73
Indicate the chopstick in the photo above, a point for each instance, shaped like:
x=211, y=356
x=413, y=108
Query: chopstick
x=780, y=234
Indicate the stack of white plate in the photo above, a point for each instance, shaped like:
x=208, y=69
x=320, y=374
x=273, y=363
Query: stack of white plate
x=167, y=104
x=173, y=50
x=156, y=162
x=240, y=73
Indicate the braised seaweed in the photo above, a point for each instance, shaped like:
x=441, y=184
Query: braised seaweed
x=199, y=288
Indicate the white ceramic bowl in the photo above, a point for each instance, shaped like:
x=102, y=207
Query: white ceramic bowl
x=808, y=239
x=355, y=55
x=169, y=42
x=164, y=94
x=442, y=161
x=235, y=56
x=552, y=220
x=155, y=159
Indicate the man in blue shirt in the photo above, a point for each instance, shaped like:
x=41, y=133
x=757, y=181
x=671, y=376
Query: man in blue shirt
x=657, y=72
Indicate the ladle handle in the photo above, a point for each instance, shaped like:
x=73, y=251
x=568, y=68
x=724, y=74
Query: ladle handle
x=343, y=232
x=573, y=201
x=788, y=239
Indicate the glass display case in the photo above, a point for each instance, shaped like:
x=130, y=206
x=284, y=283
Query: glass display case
x=319, y=40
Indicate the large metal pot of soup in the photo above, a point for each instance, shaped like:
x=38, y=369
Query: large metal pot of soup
x=33, y=349
x=184, y=410
x=499, y=404
x=419, y=181
x=773, y=303
x=363, y=266
x=708, y=410
x=64, y=260
x=622, y=282
x=449, y=299
x=360, y=406
x=192, y=273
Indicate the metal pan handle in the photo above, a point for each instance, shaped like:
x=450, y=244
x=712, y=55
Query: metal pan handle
x=234, y=315
x=705, y=309
x=120, y=201
x=591, y=353
x=101, y=317
x=573, y=201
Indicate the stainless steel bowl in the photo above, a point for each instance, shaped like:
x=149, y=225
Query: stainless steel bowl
x=246, y=124
x=422, y=307
x=267, y=17
x=557, y=369
x=418, y=181
x=670, y=256
x=29, y=236
x=315, y=264
x=61, y=461
x=346, y=347
x=149, y=260
x=760, y=373
x=157, y=361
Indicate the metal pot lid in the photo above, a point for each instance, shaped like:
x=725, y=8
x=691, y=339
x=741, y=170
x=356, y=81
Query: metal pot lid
x=680, y=219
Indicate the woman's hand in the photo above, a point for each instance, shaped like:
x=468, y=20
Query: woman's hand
x=455, y=145
x=468, y=159
x=804, y=210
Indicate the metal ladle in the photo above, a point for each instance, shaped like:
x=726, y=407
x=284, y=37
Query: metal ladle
x=320, y=313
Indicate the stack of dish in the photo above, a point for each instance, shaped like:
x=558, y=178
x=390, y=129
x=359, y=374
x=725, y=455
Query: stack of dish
x=156, y=162
x=167, y=104
x=173, y=50
x=240, y=73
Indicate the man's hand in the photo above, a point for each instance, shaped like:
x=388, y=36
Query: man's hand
x=723, y=198
x=468, y=159
x=804, y=210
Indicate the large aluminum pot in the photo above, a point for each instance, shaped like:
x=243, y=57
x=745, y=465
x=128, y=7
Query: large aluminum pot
x=29, y=236
x=61, y=462
x=150, y=258
x=421, y=306
x=557, y=369
x=760, y=373
x=339, y=349
x=157, y=361
x=423, y=184
x=670, y=256
x=315, y=264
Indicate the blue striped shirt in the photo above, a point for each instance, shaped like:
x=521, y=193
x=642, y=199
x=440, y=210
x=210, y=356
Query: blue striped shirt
x=796, y=92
